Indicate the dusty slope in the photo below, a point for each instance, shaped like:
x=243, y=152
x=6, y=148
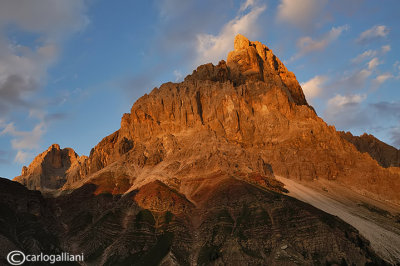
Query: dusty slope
x=377, y=225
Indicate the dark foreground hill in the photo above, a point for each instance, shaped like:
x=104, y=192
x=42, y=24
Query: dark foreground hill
x=237, y=224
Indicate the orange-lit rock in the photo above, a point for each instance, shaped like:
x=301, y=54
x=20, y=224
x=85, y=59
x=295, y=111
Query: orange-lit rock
x=189, y=178
x=243, y=116
x=52, y=168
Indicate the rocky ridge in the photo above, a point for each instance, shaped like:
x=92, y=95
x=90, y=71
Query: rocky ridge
x=193, y=160
x=384, y=154
x=51, y=169
x=250, y=107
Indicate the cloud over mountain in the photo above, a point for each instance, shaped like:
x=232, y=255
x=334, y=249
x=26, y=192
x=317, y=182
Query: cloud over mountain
x=24, y=64
x=212, y=48
x=300, y=13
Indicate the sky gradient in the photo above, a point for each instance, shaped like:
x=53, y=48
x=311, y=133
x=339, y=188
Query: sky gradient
x=69, y=69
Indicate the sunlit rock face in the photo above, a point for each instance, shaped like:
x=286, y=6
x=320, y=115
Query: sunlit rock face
x=51, y=169
x=247, y=114
x=192, y=172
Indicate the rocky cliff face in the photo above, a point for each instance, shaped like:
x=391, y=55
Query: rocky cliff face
x=250, y=107
x=250, y=104
x=51, y=169
x=384, y=154
x=206, y=151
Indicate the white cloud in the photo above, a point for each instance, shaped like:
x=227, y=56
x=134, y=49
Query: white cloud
x=371, y=53
x=340, y=101
x=24, y=140
x=313, y=87
x=300, y=12
x=22, y=71
x=54, y=18
x=361, y=57
x=212, y=48
x=360, y=78
x=178, y=75
x=346, y=111
x=386, y=48
x=247, y=4
x=308, y=44
x=23, y=157
x=382, y=78
x=373, y=63
x=24, y=66
x=357, y=78
x=354, y=81
x=363, y=74
x=376, y=32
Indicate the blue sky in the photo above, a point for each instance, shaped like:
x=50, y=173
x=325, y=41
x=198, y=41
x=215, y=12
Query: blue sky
x=69, y=69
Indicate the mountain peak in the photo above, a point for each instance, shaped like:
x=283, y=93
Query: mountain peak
x=241, y=42
x=255, y=61
x=193, y=155
x=246, y=117
x=54, y=146
x=252, y=61
x=49, y=169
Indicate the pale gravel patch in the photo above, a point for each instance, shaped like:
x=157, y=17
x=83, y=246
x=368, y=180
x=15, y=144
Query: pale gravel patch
x=385, y=239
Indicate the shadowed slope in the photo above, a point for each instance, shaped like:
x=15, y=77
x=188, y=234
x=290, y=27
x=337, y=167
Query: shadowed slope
x=384, y=154
x=236, y=224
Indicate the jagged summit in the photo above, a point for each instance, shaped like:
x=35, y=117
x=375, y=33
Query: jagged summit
x=252, y=61
x=193, y=169
x=246, y=117
x=51, y=169
x=384, y=154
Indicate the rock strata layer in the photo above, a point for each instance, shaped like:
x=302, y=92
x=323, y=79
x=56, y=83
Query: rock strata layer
x=238, y=224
